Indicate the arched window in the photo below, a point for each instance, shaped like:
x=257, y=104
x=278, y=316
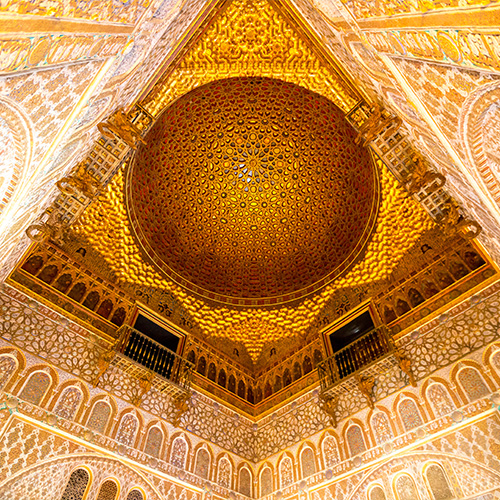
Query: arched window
x=91, y=300
x=99, y=417
x=277, y=383
x=191, y=357
x=105, y=308
x=63, y=282
x=250, y=397
x=268, y=390
x=287, y=378
x=377, y=493
x=8, y=366
x=355, y=440
x=179, y=453
x=318, y=357
x=440, y=399
x=77, y=485
x=154, y=442
x=36, y=387
x=405, y=488
x=330, y=451
x=381, y=427
x=68, y=403
x=307, y=462
x=212, y=372
x=307, y=365
x=266, y=482
x=202, y=366
x=472, y=383
x=202, y=466
x=438, y=484
x=127, y=430
x=241, y=389
x=77, y=292
x=410, y=416
x=135, y=495
x=222, y=378
x=231, y=384
x=224, y=473
x=33, y=264
x=108, y=490
x=245, y=482
x=297, y=371
x=118, y=316
x=48, y=274
x=286, y=472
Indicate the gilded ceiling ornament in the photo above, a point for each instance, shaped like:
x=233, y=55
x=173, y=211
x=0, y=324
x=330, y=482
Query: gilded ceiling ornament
x=251, y=191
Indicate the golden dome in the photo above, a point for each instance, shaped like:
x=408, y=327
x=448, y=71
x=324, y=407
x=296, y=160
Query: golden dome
x=251, y=191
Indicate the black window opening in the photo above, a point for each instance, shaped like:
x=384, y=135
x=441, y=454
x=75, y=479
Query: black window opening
x=351, y=331
x=157, y=333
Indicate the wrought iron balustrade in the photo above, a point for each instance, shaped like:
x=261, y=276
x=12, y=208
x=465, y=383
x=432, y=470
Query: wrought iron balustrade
x=358, y=356
x=151, y=363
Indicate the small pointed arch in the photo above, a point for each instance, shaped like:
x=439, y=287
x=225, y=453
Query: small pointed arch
x=222, y=379
x=285, y=469
x=297, y=371
x=317, y=357
x=135, y=494
x=33, y=264
x=376, y=492
x=203, y=459
x=242, y=389
x=437, y=481
x=37, y=384
x=78, y=291
x=250, y=395
x=105, y=308
x=202, y=366
x=69, y=400
x=231, y=384
x=63, y=282
x=100, y=414
x=245, y=480
x=12, y=363
x=119, y=316
x=277, y=384
x=330, y=450
x=471, y=381
x=287, y=378
x=212, y=372
x=49, y=273
x=381, y=425
x=266, y=483
x=155, y=439
x=191, y=357
x=224, y=471
x=440, y=400
x=307, y=460
x=127, y=429
x=408, y=411
x=268, y=390
x=355, y=438
x=405, y=488
x=108, y=490
x=306, y=365
x=258, y=394
x=179, y=450
x=78, y=484
x=91, y=300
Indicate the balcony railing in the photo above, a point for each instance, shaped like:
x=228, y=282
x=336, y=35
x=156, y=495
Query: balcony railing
x=358, y=356
x=149, y=362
